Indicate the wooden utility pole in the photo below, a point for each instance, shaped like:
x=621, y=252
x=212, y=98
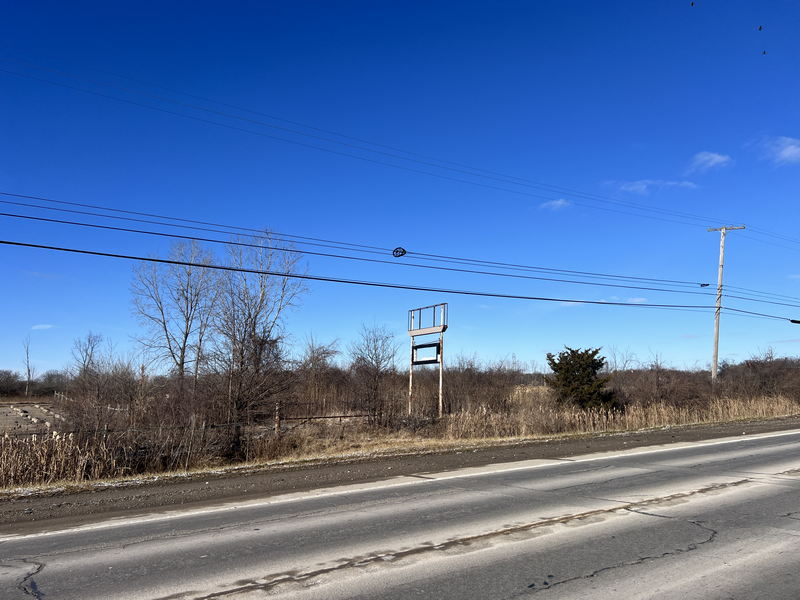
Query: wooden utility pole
x=723, y=232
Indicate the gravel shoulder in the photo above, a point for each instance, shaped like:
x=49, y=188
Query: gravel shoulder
x=56, y=509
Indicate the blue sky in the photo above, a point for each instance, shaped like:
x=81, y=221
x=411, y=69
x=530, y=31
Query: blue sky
x=668, y=106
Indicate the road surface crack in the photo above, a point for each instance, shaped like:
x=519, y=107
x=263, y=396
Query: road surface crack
x=28, y=585
x=548, y=585
x=271, y=581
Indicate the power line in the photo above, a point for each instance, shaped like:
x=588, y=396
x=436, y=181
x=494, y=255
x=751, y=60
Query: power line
x=762, y=301
x=775, y=244
x=514, y=266
x=438, y=163
x=342, y=280
x=372, y=260
x=585, y=196
x=185, y=220
x=177, y=225
x=508, y=178
x=340, y=256
x=766, y=316
x=334, y=244
x=274, y=137
x=772, y=234
x=441, y=258
x=759, y=293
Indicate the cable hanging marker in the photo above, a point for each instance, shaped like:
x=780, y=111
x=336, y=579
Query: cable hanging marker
x=398, y=252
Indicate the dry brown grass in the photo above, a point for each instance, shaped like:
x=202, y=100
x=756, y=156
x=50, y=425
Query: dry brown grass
x=532, y=414
x=536, y=414
x=50, y=458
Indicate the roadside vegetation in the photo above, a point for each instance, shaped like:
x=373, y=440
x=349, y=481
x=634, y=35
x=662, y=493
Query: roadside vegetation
x=131, y=425
x=222, y=385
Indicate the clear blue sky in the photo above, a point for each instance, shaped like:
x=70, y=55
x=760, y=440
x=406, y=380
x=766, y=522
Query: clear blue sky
x=661, y=104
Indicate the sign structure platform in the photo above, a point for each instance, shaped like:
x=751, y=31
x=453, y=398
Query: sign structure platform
x=424, y=322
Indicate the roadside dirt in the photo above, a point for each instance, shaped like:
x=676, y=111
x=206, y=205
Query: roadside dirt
x=26, y=514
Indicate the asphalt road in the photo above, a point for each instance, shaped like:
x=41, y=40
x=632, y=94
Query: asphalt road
x=717, y=519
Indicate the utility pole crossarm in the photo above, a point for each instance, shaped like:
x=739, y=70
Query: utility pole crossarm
x=727, y=228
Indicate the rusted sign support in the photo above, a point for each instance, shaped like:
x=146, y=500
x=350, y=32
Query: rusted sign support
x=426, y=321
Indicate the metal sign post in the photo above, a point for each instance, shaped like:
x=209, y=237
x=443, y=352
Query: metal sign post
x=427, y=321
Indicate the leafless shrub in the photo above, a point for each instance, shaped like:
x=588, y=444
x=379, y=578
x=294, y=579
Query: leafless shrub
x=373, y=372
x=659, y=384
x=469, y=385
x=11, y=383
x=761, y=375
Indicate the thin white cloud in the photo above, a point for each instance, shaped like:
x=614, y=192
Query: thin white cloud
x=645, y=186
x=42, y=326
x=704, y=161
x=797, y=276
x=559, y=204
x=637, y=300
x=783, y=150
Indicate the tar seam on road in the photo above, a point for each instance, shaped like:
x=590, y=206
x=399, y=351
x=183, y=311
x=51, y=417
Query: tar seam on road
x=277, y=579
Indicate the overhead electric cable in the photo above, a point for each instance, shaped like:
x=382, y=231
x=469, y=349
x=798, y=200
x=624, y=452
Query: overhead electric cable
x=275, y=137
x=418, y=265
x=770, y=243
x=340, y=256
x=275, y=237
x=749, y=312
x=355, y=247
x=760, y=293
x=178, y=225
x=440, y=163
x=753, y=292
x=511, y=178
x=185, y=220
x=779, y=236
x=342, y=280
x=426, y=160
x=608, y=200
x=339, y=245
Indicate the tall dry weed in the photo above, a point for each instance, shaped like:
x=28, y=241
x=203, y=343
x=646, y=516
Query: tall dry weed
x=545, y=417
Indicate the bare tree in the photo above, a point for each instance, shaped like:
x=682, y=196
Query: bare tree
x=30, y=370
x=372, y=363
x=176, y=302
x=86, y=379
x=620, y=360
x=248, y=332
x=316, y=375
x=84, y=352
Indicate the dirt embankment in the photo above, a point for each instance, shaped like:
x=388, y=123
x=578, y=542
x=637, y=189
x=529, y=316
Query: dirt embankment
x=58, y=508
